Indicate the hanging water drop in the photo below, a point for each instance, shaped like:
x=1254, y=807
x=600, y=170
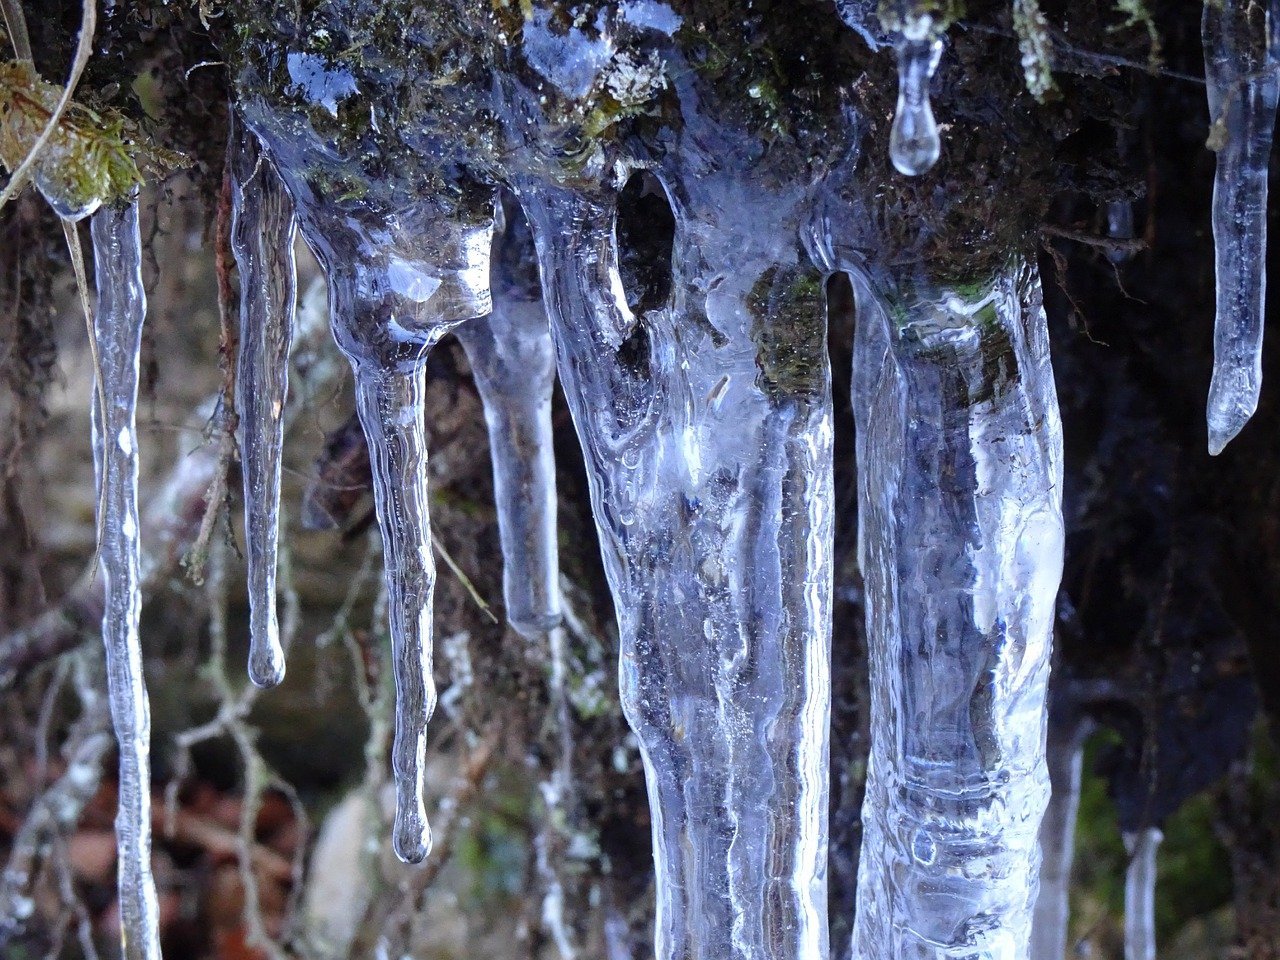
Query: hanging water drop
x=117, y=328
x=262, y=237
x=914, y=144
x=1243, y=85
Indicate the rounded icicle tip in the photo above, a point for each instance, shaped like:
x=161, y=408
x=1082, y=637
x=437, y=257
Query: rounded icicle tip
x=411, y=838
x=914, y=143
x=266, y=663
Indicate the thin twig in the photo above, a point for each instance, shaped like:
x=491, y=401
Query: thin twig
x=1110, y=244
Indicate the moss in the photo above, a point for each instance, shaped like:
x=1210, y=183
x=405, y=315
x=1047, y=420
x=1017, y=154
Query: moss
x=1033, y=40
x=788, y=307
x=92, y=157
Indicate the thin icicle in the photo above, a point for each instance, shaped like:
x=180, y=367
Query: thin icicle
x=1243, y=86
x=960, y=542
x=1049, y=927
x=117, y=325
x=707, y=439
x=1140, y=894
x=262, y=237
x=513, y=361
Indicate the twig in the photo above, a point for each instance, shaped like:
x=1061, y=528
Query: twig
x=1110, y=244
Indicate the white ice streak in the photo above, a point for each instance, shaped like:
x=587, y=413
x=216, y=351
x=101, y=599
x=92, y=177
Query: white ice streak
x=1140, y=894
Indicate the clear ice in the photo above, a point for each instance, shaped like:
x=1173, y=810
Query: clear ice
x=1140, y=894
x=1050, y=923
x=914, y=144
x=706, y=426
x=1241, y=63
x=262, y=236
x=514, y=365
x=117, y=329
x=960, y=543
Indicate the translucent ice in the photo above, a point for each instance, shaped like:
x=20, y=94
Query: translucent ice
x=1243, y=85
x=960, y=543
x=1140, y=894
x=117, y=328
x=707, y=434
x=1065, y=752
x=914, y=144
x=262, y=235
x=515, y=366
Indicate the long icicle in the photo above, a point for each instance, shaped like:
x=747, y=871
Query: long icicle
x=960, y=542
x=514, y=364
x=1243, y=83
x=262, y=237
x=117, y=325
x=707, y=439
x=1140, y=894
x=1051, y=920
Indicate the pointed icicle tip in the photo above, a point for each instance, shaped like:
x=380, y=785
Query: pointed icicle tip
x=914, y=143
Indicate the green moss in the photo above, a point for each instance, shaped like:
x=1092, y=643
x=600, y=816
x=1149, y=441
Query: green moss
x=789, y=329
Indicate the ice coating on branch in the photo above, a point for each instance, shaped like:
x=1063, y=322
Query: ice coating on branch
x=262, y=235
x=1140, y=894
x=707, y=436
x=514, y=365
x=960, y=543
x=117, y=328
x=1243, y=86
x=914, y=144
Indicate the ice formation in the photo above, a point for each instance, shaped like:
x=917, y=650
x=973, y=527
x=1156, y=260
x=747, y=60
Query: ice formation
x=706, y=425
x=117, y=328
x=1065, y=754
x=961, y=538
x=262, y=236
x=514, y=365
x=1242, y=76
x=1140, y=894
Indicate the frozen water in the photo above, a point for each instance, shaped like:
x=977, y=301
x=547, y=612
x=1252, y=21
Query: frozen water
x=117, y=328
x=262, y=236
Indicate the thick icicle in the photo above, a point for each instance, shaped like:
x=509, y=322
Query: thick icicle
x=514, y=365
x=117, y=328
x=1140, y=894
x=960, y=542
x=1243, y=85
x=1049, y=926
x=707, y=436
x=262, y=236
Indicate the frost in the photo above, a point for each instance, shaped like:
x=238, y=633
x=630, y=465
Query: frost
x=960, y=542
x=1243, y=86
x=262, y=236
x=117, y=328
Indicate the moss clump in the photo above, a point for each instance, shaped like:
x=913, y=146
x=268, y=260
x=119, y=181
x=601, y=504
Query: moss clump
x=788, y=306
x=93, y=156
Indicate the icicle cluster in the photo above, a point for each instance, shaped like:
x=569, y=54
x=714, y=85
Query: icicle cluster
x=705, y=422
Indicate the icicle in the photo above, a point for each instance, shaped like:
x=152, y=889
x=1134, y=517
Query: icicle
x=387, y=312
x=960, y=542
x=514, y=365
x=1049, y=927
x=1243, y=86
x=914, y=144
x=1140, y=894
x=707, y=438
x=117, y=327
x=262, y=236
